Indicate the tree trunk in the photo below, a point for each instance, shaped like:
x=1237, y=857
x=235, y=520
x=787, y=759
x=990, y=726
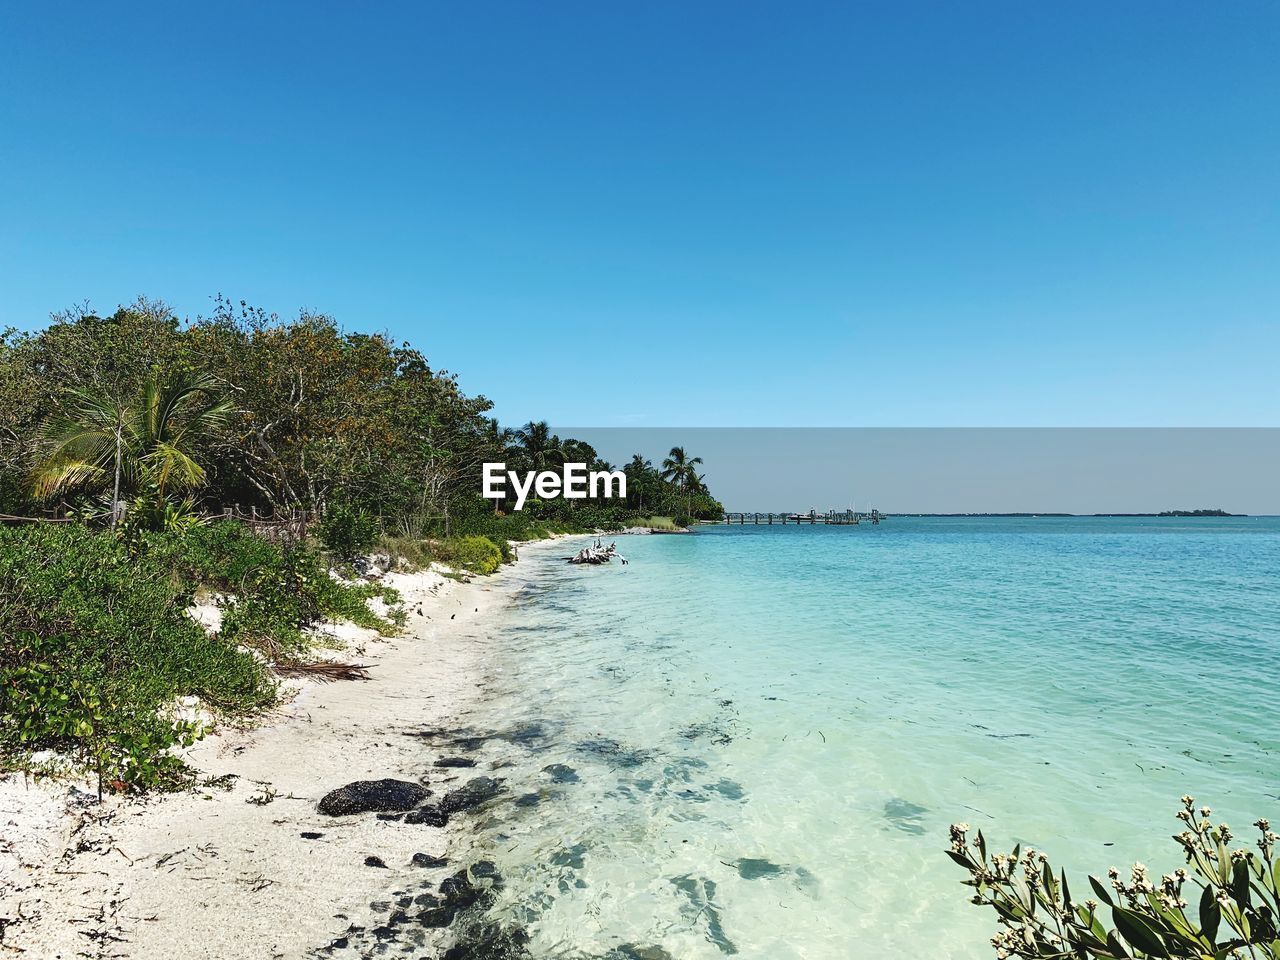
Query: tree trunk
x=115, y=491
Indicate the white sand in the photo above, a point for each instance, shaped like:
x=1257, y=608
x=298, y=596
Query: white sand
x=212, y=874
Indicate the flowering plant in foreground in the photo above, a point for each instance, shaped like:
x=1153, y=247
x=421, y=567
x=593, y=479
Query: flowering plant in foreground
x=1222, y=905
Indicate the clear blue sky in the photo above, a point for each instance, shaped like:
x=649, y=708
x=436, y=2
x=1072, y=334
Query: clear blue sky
x=740, y=213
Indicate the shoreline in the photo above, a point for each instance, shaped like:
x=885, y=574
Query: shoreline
x=242, y=863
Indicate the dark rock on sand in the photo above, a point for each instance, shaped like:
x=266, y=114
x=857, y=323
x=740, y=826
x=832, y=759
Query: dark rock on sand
x=559, y=773
x=391, y=816
x=311, y=835
x=423, y=860
x=458, y=890
x=455, y=762
x=475, y=792
x=431, y=816
x=374, y=862
x=364, y=796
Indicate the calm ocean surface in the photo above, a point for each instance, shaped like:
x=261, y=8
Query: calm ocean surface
x=763, y=732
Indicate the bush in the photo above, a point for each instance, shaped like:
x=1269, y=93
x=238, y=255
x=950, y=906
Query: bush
x=95, y=643
x=277, y=590
x=346, y=531
x=658, y=523
x=126, y=743
x=413, y=550
x=476, y=554
x=1234, y=896
x=520, y=526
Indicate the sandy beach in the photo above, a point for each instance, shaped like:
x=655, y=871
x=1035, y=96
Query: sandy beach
x=244, y=865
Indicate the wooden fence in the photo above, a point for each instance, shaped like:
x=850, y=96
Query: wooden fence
x=290, y=527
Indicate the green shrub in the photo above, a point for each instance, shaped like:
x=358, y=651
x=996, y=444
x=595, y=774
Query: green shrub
x=476, y=554
x=346, y=531
x=95, y=642
x=658, y=523
x=223, y=555
x=90, y=634
x=280, y=591
x=126, y=743
x=276, y=590
x=519, y=526
x=504, y=548
x=1224, y=904
x=274, y=604
x=413, y=550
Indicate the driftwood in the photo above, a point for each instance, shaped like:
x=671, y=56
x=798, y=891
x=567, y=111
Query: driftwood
x=596, y=554
x=323, y=670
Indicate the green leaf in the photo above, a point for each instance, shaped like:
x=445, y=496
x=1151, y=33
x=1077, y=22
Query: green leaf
x=1139, y=931
x=1115, y=946
x=1224, y=864
x=1240, y=883
x=1100, y=890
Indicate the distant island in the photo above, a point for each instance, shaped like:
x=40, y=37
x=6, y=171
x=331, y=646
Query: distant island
x=1163, y=513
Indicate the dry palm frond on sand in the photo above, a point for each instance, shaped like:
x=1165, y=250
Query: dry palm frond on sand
x=325, y=671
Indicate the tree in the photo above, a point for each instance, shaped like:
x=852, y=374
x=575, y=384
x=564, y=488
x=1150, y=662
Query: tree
x=641, y=481
x=679, y=469
x=540, y=448
x=314, y=405
x=79, y=351
x=496, y=439
x=144, y=446
x=321, y=415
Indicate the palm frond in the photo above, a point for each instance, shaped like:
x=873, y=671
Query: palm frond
x=147, y=442
x=169, y=467
x=51, y=479
x=74, y=453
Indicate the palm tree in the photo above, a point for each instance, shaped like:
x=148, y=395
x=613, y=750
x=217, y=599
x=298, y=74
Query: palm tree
x=637, y=471
x=679, y=469
x=145, y=445
x=540, y=447
x=496, y=439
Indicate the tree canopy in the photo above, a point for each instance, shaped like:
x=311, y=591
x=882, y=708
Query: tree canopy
x=242, y=407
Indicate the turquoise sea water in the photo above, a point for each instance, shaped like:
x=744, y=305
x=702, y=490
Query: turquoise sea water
x=757, y=736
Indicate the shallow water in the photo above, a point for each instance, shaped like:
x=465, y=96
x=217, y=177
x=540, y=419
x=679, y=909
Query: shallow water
x=751, y=740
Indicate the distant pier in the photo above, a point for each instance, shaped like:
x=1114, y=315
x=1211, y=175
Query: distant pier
x=837, y=518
